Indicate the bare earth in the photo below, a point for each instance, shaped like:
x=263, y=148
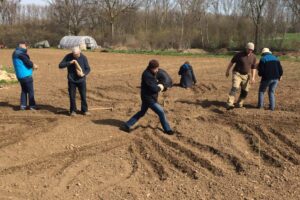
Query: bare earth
x=216, y=154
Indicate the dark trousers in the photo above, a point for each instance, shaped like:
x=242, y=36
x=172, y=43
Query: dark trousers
x=157, y=109
x=72, y=94
x=27, y=92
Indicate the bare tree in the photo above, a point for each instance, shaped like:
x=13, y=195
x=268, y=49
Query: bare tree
x=257, y=8
x=71, y=13
x=114, y=8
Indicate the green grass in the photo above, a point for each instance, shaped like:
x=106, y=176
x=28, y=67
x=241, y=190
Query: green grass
x=4, y=82
x=10, y=70
x=208, y=55
x=169, y=53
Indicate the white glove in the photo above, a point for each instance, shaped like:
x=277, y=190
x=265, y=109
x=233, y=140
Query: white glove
x=161, y=87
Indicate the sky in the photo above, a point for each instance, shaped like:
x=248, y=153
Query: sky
x=39, y=2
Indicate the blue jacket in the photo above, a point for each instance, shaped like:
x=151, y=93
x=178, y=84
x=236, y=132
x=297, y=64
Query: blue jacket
x=187, y=76
x=72, y=75
x=22, y=64
x=269, y=67
x=149, y=87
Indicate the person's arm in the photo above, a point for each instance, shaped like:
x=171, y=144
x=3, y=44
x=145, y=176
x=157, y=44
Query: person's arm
x=87, y=68
x=228, y=68
x=180, y=72
x=260, y=68
x=25, y=59
x=193, y=75
x=151, y=82
x=280, y=70
x=65, y=62
x=253, y=71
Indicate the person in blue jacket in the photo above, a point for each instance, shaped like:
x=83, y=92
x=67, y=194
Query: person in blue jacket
x=188, y=78
x=149, y=95
x=270, y=70
x=73, y=62
x=24, y=68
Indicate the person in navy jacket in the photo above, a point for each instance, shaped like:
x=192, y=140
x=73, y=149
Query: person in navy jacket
x=188, y=78
x=270, y=70
x=164, y=78
x=149, y=95
x=23, y=68
x=72, y=62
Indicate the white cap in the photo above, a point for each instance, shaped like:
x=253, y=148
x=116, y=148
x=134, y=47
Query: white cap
x=265, y=50
x=250, y=46
x=76, y=50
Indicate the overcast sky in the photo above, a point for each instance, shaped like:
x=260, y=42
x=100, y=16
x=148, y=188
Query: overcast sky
x=39, y=2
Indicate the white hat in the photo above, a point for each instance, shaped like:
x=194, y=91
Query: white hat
x=250, y=46
x=265, y=50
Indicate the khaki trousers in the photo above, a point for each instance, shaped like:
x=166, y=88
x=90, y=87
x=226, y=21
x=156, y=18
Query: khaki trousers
x=239, y=80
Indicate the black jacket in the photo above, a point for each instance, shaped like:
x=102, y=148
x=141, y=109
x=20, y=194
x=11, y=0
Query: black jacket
x=163, y=78
x=149, y=88
x=187, y=76
x=269, y=67
x=72, y=75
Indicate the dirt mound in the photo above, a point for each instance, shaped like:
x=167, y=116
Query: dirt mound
x=4, y=75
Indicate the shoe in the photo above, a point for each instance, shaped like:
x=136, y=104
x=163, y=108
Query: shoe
x=230, y=107
x=86, y=113
x=73, y=114
x=33, y=108
x=125, y=128
x=240, y=106
x=170, y=132
x=22, y=108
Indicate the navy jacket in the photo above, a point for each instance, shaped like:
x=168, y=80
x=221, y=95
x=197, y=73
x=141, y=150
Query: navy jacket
x=22, y=64
x=164, y=78
x=187, y=76
x=269, y=67
x=72, y=75
x=149, y=88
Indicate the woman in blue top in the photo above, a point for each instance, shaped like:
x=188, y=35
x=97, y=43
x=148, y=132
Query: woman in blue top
x=188, y=78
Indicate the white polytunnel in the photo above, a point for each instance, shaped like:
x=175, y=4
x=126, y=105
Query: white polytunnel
x=84, y=42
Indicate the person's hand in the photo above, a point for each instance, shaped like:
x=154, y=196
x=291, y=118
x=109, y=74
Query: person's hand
x=227, y=73
x=280, y=79
x=35, y=67
x=252, y=81
x=161, y=87
x=73, y=61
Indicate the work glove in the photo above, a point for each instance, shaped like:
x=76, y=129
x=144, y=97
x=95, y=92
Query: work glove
x=161, y=87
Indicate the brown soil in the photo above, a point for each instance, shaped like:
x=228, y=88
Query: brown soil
x=215, y=153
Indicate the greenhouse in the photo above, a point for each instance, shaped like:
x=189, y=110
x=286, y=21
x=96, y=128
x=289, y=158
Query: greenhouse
x=84, y=42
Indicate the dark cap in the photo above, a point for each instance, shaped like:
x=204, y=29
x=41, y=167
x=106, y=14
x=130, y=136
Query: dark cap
x=153, y=64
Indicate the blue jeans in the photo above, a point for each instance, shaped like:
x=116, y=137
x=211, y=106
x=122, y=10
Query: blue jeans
x=272, y=84
x=27, y=91
x=72, y=94
x=157, y=109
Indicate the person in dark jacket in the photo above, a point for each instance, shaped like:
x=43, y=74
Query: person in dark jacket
x=75, y=62
x=188, y=78
x=164, y=78
x=149, y=95
x=24, y=69
x=270, y=70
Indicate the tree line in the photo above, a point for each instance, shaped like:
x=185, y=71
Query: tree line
x=154, y=24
